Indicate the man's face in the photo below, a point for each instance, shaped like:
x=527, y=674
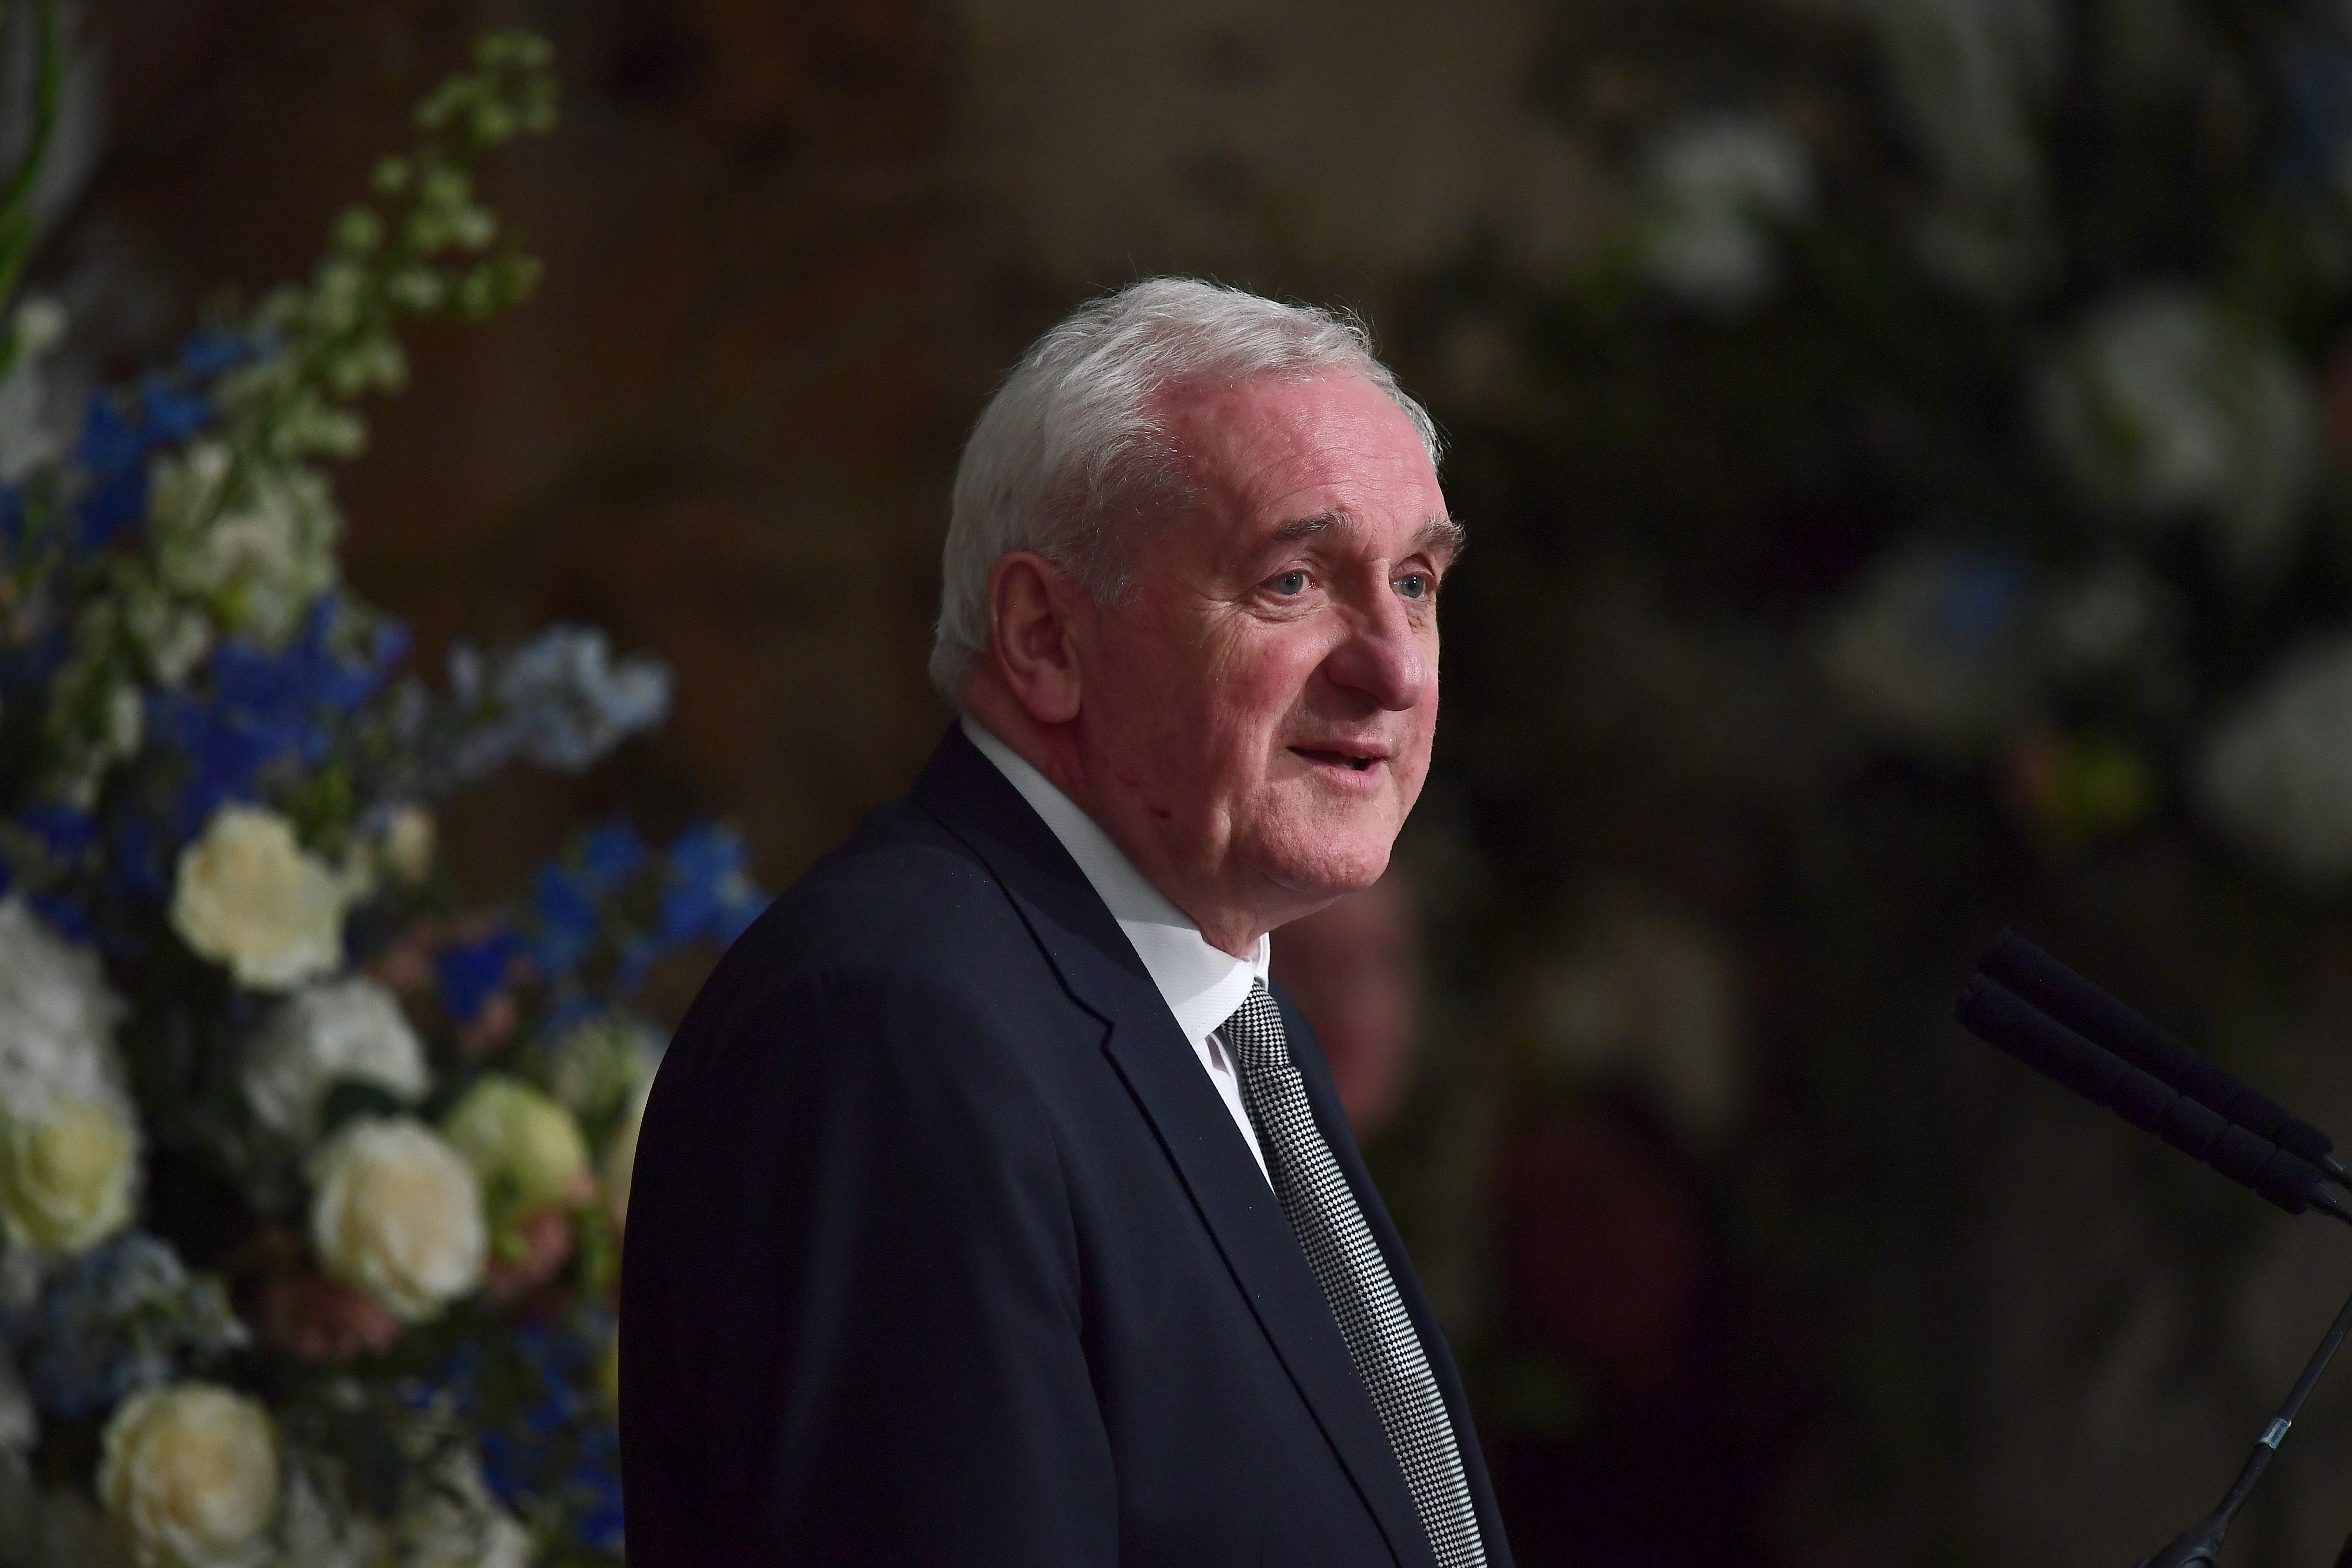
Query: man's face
x=1258, y=708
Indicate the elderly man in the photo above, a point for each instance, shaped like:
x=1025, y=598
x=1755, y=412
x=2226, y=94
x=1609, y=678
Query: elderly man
x=990, y=1207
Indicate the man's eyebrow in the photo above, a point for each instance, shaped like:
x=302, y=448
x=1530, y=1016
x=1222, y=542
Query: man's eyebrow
x=1437, y=534
x=1442, y=533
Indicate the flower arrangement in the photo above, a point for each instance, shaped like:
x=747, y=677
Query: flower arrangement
x=310, y=1181
x=1923, y=508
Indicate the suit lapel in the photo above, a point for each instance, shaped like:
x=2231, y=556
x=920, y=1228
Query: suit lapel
x=1098, y=967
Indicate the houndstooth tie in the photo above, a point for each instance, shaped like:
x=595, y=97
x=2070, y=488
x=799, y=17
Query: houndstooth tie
x=1347, y=1263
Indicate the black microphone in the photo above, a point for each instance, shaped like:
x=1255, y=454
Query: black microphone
x=2106, y=1052
x=2100, y=1019
x=1999, y=1017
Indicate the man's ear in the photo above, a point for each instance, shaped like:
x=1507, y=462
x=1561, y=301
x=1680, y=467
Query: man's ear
x=1032, y=605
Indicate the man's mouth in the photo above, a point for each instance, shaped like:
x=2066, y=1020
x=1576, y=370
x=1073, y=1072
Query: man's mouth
x=1356, y=759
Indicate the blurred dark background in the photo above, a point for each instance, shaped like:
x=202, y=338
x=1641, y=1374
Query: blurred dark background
x=1905, y=446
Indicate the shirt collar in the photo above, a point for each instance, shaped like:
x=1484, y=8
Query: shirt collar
x=1201, y=985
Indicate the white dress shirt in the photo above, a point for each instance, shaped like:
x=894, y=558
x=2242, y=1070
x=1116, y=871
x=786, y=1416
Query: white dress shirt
x=1200, y=984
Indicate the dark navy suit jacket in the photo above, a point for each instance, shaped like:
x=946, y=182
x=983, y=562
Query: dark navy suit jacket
x=943, y=1248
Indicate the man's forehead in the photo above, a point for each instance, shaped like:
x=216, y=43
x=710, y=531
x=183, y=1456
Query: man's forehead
x=1279, y=450
x=1276, y=420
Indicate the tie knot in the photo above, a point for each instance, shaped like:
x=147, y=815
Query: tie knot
x=1255, y=1030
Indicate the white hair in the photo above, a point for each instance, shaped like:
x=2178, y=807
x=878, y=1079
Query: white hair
x=1074, y=447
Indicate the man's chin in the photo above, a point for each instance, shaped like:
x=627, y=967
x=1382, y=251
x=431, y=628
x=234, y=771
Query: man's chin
x=1320, y=867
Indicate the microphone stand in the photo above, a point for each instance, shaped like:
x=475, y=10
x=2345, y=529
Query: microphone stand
x=2026, y=1003
x=2199, y=1546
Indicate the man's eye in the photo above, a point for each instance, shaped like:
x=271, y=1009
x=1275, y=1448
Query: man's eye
x=1414, y=585
x=1290, y=583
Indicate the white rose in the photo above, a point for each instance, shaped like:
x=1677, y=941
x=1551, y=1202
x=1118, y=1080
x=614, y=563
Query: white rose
x=248, y=896
x=56, y=1016
x=191, y=1470
x=350, y=1029
x=67, y=1174
x=396, y=1211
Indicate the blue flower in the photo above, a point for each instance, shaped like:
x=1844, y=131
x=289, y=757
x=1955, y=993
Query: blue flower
x=114, y=453
x=65, y=913
x=560, y=700
x=206, y=354
x=64, y=830
x=567, y=922
x=137, y=861
x=502, y=1470
x=172, y=413
x=110, y=446
x=597, y=1482
x=257, y=709
x=613, y=854
x=710, y=896
x=122, y=1316
x=472, y=971
x=114, y=448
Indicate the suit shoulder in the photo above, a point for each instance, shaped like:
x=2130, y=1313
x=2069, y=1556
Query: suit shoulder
x=904, y=907
x=903, y=888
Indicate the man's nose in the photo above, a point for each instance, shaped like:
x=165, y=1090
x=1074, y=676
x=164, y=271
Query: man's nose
x=1383, y=657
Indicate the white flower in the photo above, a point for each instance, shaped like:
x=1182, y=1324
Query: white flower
x=1934, y=645
x=56, y=1016
x=454, y=1522
x=191, y=1470
x=248, y=896
x=260, y=553
x=2276, y=773
x=68, y=1173
x=1972, y=78
x=595, y=1065
x=405, y=843
x=170, y=633
x=396, y=1212
x=69, y=1138
x=1649, y=994
x=350, y=1029
x=319, y=1528
x=27, y=442
x=1717, y=186
x=526, y=1148
x=2164, y=408
x=621, y=1157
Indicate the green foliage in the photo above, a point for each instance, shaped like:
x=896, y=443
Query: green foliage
x=242, y=530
